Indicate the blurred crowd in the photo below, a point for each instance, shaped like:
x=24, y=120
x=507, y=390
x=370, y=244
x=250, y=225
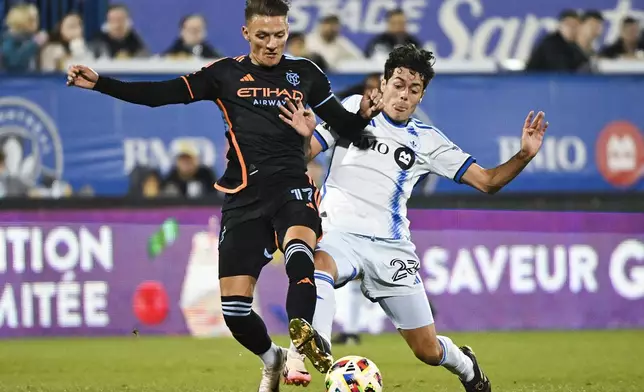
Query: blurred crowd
x=572, y=47
x=187, y=178
x=25, y=48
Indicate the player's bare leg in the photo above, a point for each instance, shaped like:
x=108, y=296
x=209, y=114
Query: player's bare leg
x=314, y=343
x=249, y=329
x=441, y=351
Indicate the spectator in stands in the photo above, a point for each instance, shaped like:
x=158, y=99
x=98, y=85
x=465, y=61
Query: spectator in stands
x=145, y=182
x=10, y=186
x=395, y=36
x=192, y=40
x=371, y=81
x=333, y=47
x=119, y=40
x=626, y=45
x=557, y=51
x=67, y=43
x=22, y=41
x=188, y=177
x=296, y=46
x=591, y=28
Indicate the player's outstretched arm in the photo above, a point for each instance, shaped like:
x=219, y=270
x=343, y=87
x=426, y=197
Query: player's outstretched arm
x=315, y=148
x=492, y=180
x=347, y=124
x=152, y=94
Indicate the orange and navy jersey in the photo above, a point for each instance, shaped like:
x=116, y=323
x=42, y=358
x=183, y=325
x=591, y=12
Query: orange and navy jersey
x=248, y=96
x=264, y=151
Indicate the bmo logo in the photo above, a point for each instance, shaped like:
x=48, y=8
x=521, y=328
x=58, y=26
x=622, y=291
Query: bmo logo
x=404, y=156
x=375, y=145
x=564, y=154
x=620, y=153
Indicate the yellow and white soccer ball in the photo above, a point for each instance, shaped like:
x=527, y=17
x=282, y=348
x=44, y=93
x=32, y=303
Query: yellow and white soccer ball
x=353, y=374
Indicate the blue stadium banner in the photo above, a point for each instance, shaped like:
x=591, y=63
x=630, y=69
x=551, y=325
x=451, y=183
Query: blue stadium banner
x=454, y=29
x=594, y=144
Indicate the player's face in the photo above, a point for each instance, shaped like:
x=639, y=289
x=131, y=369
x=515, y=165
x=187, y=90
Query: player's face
x=267, y=37
x=402, y=93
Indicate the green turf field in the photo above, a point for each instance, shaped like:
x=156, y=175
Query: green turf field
x=540, y=362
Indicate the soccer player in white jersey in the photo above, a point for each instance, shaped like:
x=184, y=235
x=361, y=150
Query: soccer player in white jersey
x=366, y=231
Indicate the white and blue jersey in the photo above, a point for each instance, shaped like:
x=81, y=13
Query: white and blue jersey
x=366, y=191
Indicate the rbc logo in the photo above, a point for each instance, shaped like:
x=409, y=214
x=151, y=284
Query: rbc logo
x=620, y=153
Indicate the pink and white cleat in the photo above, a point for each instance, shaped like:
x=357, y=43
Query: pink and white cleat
x=295, y=372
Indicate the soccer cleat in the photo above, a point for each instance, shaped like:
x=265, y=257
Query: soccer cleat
x=311, y=344
x=295, y=372
x=346, y=339
x=271, y=376
x=480, y=382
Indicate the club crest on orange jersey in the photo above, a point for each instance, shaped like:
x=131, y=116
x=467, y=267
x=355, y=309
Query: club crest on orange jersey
x=293, y=78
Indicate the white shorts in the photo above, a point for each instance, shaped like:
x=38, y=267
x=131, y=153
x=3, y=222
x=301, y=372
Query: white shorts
x=389, y=270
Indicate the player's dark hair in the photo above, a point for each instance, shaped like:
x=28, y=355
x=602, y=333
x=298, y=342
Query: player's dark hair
x=415, y=60
x=266, y=8
x=592, y=14
x=394, y=12
x=2, y=158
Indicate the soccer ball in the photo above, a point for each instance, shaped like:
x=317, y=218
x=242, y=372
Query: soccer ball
x=353, y=374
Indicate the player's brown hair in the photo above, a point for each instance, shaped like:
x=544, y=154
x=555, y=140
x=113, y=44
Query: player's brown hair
x=266, y=8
